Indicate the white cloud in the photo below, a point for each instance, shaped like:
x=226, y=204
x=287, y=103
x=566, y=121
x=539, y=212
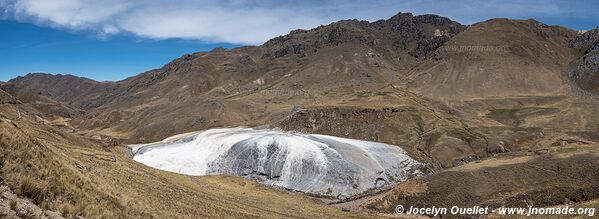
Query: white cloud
x=247, y=26
x=71, y=13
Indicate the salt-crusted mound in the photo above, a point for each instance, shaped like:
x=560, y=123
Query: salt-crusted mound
x=317, y=164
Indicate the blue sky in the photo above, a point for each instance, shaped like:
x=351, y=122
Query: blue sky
x=29, y=48
x=114, y=39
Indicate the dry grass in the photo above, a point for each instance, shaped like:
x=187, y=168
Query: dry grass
x=40, y=176
x=13, y=205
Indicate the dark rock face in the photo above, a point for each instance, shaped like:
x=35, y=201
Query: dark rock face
x=584, y=72
x=585, y=40
x=427, y=32
x=415, y=35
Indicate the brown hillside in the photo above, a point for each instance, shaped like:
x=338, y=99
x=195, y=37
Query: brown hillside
x=497, y=58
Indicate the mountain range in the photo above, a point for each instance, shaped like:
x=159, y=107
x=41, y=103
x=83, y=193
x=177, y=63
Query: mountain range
x=503, y=111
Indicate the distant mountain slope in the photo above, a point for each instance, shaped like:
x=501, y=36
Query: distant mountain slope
x=497, y=58
x=67, y=89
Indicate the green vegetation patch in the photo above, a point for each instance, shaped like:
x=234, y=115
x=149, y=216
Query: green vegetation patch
x=505, y=116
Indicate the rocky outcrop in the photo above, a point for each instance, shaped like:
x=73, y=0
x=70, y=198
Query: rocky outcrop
x=405, y=33
x=584, y=71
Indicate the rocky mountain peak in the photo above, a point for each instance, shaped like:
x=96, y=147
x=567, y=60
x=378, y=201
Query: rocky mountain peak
x=405, y=33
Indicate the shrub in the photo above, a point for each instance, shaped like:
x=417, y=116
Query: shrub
x=29, y=189
x=13, y=205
